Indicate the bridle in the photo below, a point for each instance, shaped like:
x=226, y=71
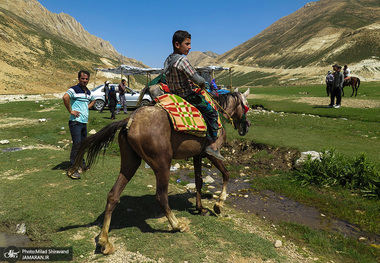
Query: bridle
x=230, y=120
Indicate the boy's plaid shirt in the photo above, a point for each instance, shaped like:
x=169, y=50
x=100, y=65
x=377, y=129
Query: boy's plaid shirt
x=178, y=77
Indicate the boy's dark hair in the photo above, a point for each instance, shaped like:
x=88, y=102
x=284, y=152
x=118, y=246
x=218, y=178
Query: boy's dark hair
x=84, y=72
x=180, y=36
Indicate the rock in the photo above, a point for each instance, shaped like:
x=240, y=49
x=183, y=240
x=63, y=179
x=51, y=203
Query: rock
x=208, y=180
x=177, y=165
x=150, y=186
x=305, y=155
x=41, y=120
x=93, y=131
x=62, y=132
x=191, y=185
x=21, y=229
x=278, y=244
x=4, y=142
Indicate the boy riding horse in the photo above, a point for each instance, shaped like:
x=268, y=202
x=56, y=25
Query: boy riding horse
x=179, y=76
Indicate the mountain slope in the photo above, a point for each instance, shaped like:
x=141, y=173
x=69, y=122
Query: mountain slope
x=321, y=33
x=199, y=59
x=39, y=52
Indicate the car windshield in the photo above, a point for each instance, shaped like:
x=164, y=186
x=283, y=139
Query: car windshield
x=96, y=88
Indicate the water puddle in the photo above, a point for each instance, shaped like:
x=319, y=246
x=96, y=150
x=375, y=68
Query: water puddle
x=277, y=208
x=13, y=149
x=13, y=240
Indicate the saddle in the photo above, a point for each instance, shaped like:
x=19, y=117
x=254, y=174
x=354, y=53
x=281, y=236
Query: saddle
x=184, y=116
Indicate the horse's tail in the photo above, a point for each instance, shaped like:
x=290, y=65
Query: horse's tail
x=358, y=83
x=93, y=144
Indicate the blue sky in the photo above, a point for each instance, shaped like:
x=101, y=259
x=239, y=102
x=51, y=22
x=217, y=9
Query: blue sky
x=143, y=29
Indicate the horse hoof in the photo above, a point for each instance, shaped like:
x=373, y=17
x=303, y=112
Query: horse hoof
x=204, y=212
x=108, y=249
x=183, y=227
x=217, y=209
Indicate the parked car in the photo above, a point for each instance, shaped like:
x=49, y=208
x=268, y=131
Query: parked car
x=131, y=96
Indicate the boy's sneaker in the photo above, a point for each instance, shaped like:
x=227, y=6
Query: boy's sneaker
x=213, y=153
x=337, y=106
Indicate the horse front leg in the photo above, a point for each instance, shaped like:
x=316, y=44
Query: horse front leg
x=198, y=184
x=226, y=177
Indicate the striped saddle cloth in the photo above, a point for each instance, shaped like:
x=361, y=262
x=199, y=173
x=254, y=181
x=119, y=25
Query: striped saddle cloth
x=184, y=116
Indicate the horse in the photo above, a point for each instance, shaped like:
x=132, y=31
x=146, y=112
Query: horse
x=148, y=135
x=354, y=82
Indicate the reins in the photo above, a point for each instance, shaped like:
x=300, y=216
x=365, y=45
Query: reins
x=220, y=107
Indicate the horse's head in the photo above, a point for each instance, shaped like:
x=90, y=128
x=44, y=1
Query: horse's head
x=242, y=121
x=236, y=107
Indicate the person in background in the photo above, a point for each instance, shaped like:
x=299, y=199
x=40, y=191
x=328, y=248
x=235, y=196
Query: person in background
x=337, y=87
x=179, y=76
x=346, y=74
x=329, y=82
x=112, y=102
x=78, y=100
x=123, y=102
x=106, y=91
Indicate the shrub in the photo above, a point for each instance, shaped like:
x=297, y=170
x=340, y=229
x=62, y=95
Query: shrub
x=332, y=169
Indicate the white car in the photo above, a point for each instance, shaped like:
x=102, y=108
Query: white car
x=131, y=96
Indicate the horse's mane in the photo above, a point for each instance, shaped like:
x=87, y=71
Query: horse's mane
x=222, y=99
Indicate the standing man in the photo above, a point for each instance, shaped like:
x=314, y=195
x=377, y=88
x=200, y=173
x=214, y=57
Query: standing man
x=78, y=100
x=123, y=102
x=106, y=91
x=179, y=73
x=337, y=87
x=329, y=82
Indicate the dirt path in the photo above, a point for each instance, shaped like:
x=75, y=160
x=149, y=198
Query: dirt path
x=34, y=97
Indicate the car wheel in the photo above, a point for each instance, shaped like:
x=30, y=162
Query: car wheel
x=145, y=102
x=98, y=105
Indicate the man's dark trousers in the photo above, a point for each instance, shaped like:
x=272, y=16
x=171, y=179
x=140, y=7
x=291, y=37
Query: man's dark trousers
x=78, y=132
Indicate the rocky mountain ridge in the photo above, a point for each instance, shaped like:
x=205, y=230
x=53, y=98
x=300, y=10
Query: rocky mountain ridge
x=62, y=25
x=41, y=52
x=302, y=46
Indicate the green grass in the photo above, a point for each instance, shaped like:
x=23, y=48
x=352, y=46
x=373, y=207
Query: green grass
x=306, y=127
x=62, y=212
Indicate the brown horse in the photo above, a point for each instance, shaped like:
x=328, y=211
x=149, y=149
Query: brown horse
x=149, y=135
x=354, y=82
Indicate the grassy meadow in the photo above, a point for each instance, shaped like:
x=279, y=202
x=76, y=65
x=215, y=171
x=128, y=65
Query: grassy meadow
x=60, y=212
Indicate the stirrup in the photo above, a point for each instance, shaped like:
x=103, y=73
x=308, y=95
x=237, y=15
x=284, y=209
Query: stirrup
x=214, y=153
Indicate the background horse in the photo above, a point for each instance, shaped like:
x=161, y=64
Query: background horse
x=354, y=82
x=149, y=135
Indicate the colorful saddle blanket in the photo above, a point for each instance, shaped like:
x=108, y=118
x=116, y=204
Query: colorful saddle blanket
x=184, y=116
